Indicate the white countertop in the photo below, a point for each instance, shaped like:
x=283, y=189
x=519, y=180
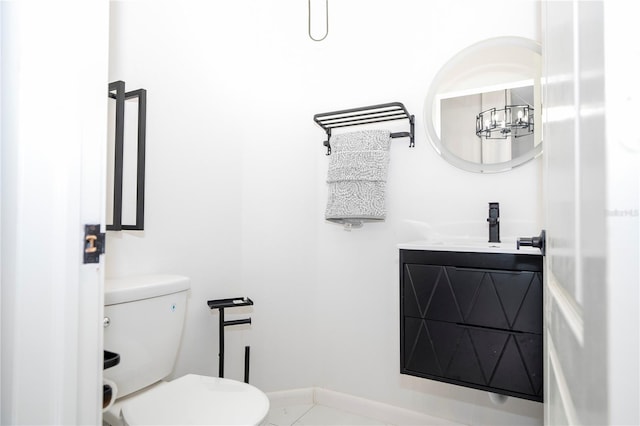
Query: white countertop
x=464, y=245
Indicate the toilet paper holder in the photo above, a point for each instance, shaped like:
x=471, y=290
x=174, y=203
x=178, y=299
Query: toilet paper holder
x=109, y=394
x=109, y=390
x=221, y=304
x=110, y=359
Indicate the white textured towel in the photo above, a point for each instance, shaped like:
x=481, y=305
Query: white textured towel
x=357, y=177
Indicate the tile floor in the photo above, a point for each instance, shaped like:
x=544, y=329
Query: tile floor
x=316, y=415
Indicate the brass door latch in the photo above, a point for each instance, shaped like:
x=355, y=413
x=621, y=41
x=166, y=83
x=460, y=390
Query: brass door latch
x=94, y=243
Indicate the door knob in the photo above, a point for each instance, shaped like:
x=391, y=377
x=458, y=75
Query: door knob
x=538, y=241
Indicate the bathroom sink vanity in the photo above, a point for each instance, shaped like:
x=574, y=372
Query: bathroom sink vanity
x=471, y=315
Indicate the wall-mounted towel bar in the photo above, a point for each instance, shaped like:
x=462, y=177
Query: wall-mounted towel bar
x=118, y=93
x=366, y=115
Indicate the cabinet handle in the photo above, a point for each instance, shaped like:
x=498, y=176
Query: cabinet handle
x=484, y=327
x=491, y=271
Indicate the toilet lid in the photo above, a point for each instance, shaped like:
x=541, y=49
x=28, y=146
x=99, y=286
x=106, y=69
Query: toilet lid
x=198, y=400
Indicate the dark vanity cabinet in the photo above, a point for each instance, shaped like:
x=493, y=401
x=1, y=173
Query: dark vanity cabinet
x=473, y=319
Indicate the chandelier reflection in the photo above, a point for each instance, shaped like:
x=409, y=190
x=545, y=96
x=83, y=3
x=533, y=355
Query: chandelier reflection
x=511, y=121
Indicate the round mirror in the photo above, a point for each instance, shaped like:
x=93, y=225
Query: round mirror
x=482, y=111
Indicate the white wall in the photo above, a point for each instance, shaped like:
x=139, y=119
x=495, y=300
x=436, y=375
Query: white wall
x=236, y=192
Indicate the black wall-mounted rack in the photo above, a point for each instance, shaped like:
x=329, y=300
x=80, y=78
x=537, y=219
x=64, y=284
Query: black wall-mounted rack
x=221, y=305
x=117, y=92
x=366, y=115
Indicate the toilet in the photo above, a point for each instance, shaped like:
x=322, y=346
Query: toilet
x=144, y=318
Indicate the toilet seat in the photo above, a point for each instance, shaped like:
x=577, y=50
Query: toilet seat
x=197, y=400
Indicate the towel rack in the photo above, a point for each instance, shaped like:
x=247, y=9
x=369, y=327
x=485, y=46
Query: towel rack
x=117, y=92
x=365, y=115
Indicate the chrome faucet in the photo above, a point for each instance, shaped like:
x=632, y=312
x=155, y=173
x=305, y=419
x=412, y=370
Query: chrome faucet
x=494, y=222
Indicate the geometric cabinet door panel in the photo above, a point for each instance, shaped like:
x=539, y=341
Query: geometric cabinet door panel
x=473, y=322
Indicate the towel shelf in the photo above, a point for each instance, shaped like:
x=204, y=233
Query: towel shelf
x=366, y=115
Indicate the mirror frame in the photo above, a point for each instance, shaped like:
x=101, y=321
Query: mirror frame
x=464, y=75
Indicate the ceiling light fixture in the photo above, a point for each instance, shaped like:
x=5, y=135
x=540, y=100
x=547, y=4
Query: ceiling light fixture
x=511, y=121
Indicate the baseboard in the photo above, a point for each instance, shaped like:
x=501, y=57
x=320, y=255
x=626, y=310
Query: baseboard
x=364, y=407
x=291, y=397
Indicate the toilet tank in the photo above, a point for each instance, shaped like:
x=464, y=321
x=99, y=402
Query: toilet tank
x=145, y=321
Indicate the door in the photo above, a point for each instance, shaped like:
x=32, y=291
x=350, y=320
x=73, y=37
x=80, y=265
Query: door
x=54, y=110
x=591, y=198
